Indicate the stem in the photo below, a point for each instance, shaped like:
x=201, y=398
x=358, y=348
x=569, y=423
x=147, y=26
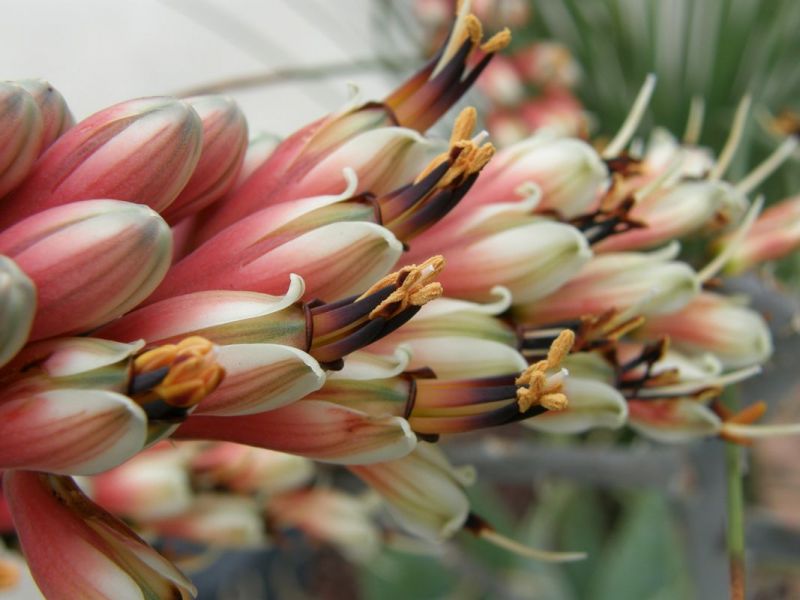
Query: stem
x=301, y=73
x=735, y=529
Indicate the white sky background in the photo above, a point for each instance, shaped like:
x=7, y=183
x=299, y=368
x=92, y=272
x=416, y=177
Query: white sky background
x=99, y=52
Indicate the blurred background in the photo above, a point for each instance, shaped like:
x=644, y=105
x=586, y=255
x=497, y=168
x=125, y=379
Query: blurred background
x=651, y=517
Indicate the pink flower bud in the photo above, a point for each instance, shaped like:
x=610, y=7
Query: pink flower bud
x=314, y=429
x=56, y=116
x=75, y=549
x=142, y=151
x=738, y=336
x=69, y=431
x=21, y=129
x=569, y=173
x=501, y=83
x=548, y=63
x=676, y=212
x=224, y=145
x=649, y=284
x=17, y=308
x=775, y=234
x=91, y=261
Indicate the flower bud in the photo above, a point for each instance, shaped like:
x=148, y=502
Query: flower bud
x=17, y=308
x=678, y=211
x=501, y=83
x=648, y=284
x=557, y=111
x=673, y=421
x=736, y=335
x=75, y=549
x=775, y=234
x=248, y=470
x=422, y=490
x=56, y=116
x=313, y=429
x=548, y=63
x=592, y=404
x=91, y=261
x=21, y=130
x=261, y=377
x=153, y=484
x=214, y=519
x=457, y=339
x=330, y=517
x=531, y=259
x=224, y=144
x=69, y=431
x=142, y=151
x=569, y=173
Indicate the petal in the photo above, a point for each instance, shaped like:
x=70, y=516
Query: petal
x=421, y=490
x=261, y=377
x=592, y=404
x=17, y=308
x=70, y=431
x=141, y=151
x=77, y=550
x=673, y=421
x=464, y=357
x=318, y=430
x=21, y=131
x=91, y=261
x=224, y=317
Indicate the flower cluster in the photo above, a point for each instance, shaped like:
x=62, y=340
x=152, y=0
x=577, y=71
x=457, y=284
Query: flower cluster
x=346, y=296
x=531, y=87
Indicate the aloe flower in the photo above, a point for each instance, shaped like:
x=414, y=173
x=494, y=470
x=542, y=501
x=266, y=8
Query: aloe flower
x=330, y=517
x=110, y=155
x=77, y=550
x=248, y=470
x=17, y=308
x=21, y=134
x=416, y=104
x=91, y=261
x=775, y=234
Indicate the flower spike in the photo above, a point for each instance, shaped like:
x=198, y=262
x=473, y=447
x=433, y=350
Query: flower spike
x=428, y=94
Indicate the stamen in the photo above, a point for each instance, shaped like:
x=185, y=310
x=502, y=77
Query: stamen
x=694, y=124
x=481, y=529
x=464, y=125
x=769, y=166
x=9, y=575
x=732, y=143
x=633, y=119
x=721, y=259
x=497, y=42
x=541, y=389
x=192, y=371
x=415, y=288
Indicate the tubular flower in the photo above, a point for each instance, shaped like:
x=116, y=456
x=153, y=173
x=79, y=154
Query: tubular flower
x=221, y=155
x=328, y=332
x=248, y=470
x=111, y=155
x=75, y=549
x=434, y=406
x=153, y=484
x=675, y=212
x=330, y=517
x=457, y=339
x=21, y=132
x=775, y=234
x=56, y=116
x=736, y=335
x=649, y=284
x=93, y=404
x=259, y=251
x=17, y=308
x=416, y=104
x=90, y=261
